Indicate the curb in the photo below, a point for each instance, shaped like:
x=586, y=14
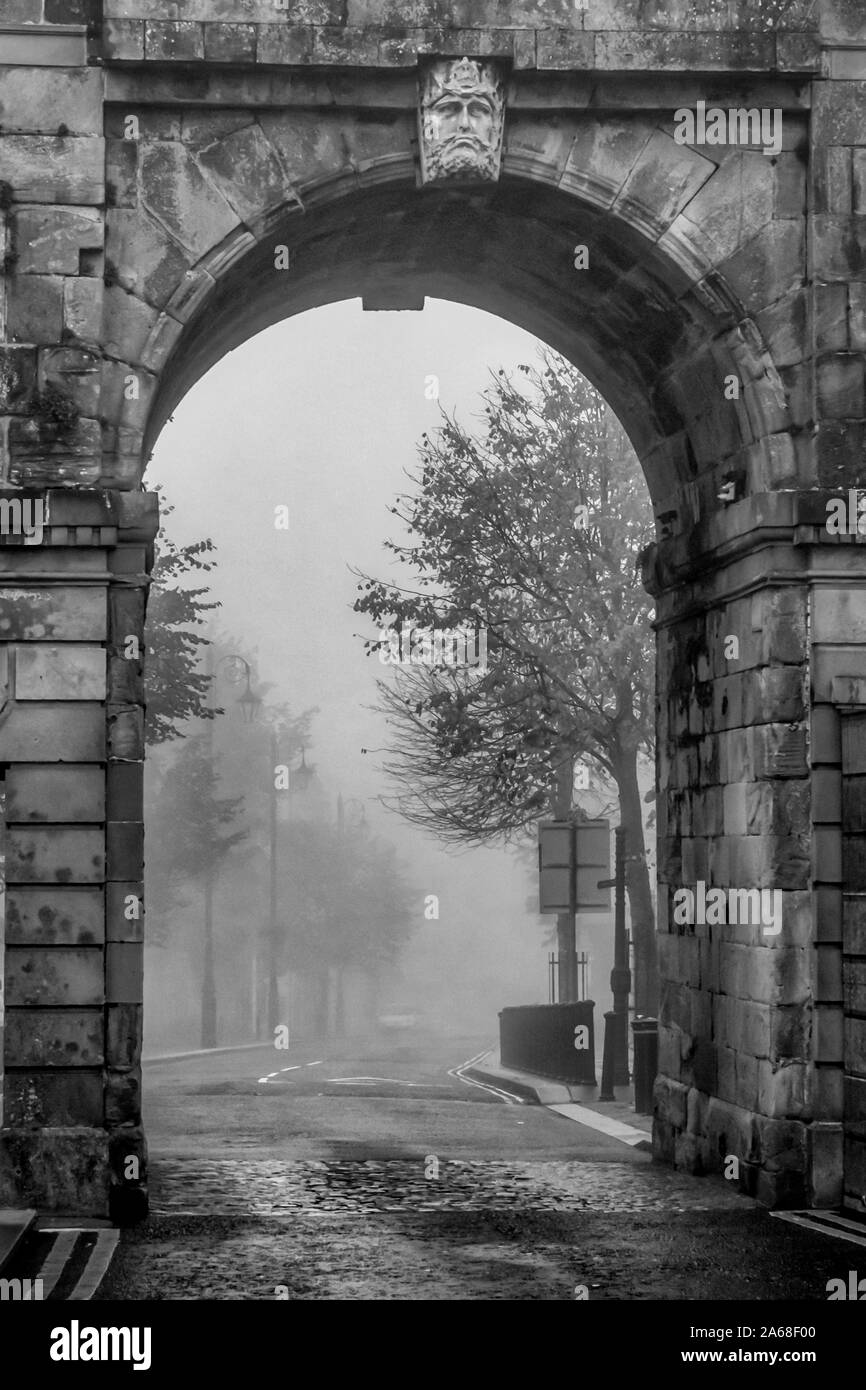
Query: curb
x=14, y=1225
x=493, y=1078
x=204, y=1052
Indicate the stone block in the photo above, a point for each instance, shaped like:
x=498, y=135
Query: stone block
x=726, y=1073
x=645, y=50
x=181, y=42
x=125, y=911
x=825, y=735
x=53, y=732
x=345, y=46
x=841, y=385
x=55, y=1170
x=125, y=791
x=53, y=169
x=45, y=1100
x=54, y=976
x=125, y=850
x=176, y=192
x=34, y=308
x=37, y=100
x=54, y=1038
x=829, y=1034
x=828, y=974
x=229, y=43
x=782, y=1144
x=123, y=1097
x=827, y=853
x=69, y=614
x=67, y=672
x=855, y=1045
x=55, y=854
x=123, y=40
x=55, y=793
x=82, y=308
x=826, y=1164
x=746, y=1073
x=55, y=916
x=564, y=49
x=124, y=972
x=831, y=317
x=734, y=794
x=17, y=377
x=279, y=44
x=123, y=1036
x=50, y=241
x=126, y=733
x=246, y=170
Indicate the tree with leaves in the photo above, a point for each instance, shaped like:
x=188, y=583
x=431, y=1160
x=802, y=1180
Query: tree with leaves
x=177, y=686
x=346, y=904
x=190, y=840
x=530, y=528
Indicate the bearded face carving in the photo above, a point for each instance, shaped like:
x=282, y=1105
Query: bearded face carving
x=461, y=120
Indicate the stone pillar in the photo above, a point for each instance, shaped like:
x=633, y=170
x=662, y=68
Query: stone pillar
x=71, y=749
x=736, y=1000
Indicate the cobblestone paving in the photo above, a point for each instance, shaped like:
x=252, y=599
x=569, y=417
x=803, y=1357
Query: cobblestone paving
x=256, y=1187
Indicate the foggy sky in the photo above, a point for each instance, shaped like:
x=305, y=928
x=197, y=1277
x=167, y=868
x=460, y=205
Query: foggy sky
x=322, y=413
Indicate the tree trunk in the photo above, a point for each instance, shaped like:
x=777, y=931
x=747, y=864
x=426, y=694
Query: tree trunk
x=567, y=974
x=339, y=1003
x=638, y=883
x=208, y=980
x=322, y=1009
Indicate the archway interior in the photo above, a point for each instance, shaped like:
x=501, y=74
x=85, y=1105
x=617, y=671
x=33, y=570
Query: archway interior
x=628, y=320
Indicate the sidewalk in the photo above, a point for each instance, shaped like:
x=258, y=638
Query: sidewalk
x=579, y=1103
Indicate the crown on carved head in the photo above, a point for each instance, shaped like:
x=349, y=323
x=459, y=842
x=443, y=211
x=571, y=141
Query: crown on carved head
x=463, y=77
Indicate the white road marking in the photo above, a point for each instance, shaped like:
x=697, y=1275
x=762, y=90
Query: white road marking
x=616, y=1129
x=314, y=1064
x=98, y=1259
x=96, y=1267
x=372, y=1080
x=58, y=1255
x=826, y=1223
x=505, y=1096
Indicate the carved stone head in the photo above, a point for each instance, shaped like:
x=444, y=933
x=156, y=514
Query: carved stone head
x=460, y=120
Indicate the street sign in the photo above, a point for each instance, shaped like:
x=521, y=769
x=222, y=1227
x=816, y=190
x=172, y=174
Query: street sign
x=556, y=866
x=571, y=861
x=592, y=857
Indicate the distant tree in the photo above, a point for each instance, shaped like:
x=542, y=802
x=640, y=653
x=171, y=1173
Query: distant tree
x=189, y=841
x=345, y=901
x=177, y=688
x=530, y=529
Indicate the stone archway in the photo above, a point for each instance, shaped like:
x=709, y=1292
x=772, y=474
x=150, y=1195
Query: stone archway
x=712, y=311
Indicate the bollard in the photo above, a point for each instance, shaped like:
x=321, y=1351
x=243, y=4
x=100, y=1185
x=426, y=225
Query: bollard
x=608, y=1064
x=645, y=1032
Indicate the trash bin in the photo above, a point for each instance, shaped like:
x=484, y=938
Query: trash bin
x=645, y=1032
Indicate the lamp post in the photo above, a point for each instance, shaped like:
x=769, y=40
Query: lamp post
x=208, y=982
x=299, y=779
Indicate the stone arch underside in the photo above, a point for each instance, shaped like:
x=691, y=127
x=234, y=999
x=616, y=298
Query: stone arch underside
x=659, y=321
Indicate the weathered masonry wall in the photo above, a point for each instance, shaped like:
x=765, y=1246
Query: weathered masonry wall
x=152, y=156
x=71, y=731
